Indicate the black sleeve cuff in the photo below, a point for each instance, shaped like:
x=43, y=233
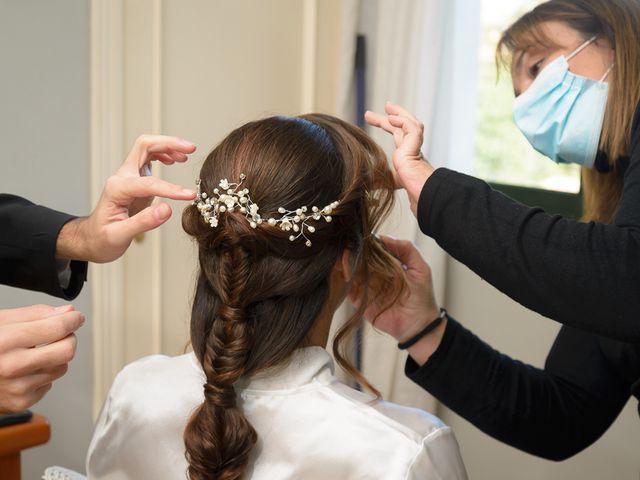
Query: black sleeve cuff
x=78, y=277
x=28, y=248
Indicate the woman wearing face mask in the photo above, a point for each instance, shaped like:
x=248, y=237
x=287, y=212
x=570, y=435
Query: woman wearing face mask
x=576, y=73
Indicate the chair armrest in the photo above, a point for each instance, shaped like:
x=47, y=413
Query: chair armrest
x=15, y=438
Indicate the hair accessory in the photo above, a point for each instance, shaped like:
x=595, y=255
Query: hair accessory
x=229, y=197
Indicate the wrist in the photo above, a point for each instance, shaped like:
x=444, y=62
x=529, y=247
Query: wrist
x=426, y=345
x=72, y=243
x=419, y=324
x=422, y=350
x=416, y=179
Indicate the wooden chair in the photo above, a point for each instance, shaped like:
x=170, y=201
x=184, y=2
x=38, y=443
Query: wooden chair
x=15, y=438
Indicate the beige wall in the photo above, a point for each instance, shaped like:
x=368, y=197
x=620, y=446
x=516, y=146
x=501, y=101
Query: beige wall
x=44, y=131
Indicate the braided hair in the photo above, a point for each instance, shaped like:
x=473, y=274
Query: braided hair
x=259, y=294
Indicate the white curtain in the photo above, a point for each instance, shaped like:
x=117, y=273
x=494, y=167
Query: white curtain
x=423, y=55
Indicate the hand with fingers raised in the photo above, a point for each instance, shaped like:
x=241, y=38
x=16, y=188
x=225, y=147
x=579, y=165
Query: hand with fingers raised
x=411, y=169
x=124, y=209
x=414, y=310
x=36, y=345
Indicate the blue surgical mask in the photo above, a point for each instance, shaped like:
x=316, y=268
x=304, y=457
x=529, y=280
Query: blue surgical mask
x=561, y=113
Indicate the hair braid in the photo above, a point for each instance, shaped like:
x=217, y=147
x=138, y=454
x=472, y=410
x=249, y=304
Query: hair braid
x=259, y=295
x=219, y=438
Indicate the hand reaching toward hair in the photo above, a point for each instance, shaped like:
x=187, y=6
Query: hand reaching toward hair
x=415, y=309
x=411, y=169
x=124, y=209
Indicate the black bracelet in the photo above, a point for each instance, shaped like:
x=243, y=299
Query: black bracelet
x=424, y=332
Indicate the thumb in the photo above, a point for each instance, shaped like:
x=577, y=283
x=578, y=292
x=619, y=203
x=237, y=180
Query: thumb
x=143, y=221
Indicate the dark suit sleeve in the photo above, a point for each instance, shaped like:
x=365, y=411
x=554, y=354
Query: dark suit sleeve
x=552, y=413
x=28, y=235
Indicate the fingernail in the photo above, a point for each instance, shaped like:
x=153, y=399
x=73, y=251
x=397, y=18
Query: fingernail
x=161, y=212
x=186, y=142
x=63, y=308
x=186, y=191
x=82, y=319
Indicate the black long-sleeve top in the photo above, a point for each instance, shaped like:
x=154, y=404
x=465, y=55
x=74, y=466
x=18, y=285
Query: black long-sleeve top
x=586, y=276
x=28, y=235
x=553, y=412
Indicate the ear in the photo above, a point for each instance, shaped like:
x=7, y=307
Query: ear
x=343, y=266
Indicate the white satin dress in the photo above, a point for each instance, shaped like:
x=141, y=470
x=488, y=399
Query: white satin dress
x=310, y=426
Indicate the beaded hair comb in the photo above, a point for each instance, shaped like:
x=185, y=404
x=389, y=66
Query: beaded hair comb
x=229, y=197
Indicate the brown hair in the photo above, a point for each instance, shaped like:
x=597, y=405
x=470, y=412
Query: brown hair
x=619, y=22
x=258, y=294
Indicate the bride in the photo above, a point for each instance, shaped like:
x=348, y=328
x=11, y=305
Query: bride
x=283, y=223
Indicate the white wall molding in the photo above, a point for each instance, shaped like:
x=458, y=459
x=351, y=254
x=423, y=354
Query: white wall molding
x=107, y=150
x=143, y=93
x=156, y=127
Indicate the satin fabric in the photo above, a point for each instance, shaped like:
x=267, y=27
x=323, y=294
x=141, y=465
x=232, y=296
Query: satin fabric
x=310, y=426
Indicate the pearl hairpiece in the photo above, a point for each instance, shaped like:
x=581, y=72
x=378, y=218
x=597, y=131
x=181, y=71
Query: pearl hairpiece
x=229, y=197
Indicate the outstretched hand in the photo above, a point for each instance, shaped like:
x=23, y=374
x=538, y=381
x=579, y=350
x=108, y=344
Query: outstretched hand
x=411, y=169
x=124, y=209
x=416, y=308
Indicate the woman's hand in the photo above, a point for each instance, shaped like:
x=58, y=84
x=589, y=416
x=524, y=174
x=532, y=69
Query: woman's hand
x=411, y=169
x=124, y=209
x=415, y=309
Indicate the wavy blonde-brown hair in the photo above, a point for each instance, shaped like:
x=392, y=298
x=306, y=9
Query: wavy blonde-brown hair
x=618, y=21
x=258, y=294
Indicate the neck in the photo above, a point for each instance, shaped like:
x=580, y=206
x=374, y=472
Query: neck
x=338, y=290
x=319, y=334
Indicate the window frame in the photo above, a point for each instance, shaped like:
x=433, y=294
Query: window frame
x=567, y=204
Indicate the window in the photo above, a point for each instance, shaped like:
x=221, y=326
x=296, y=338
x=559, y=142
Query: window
x=502, y=154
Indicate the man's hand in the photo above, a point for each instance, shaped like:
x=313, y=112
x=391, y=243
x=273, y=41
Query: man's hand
x=36, y=345
x=124, y=209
